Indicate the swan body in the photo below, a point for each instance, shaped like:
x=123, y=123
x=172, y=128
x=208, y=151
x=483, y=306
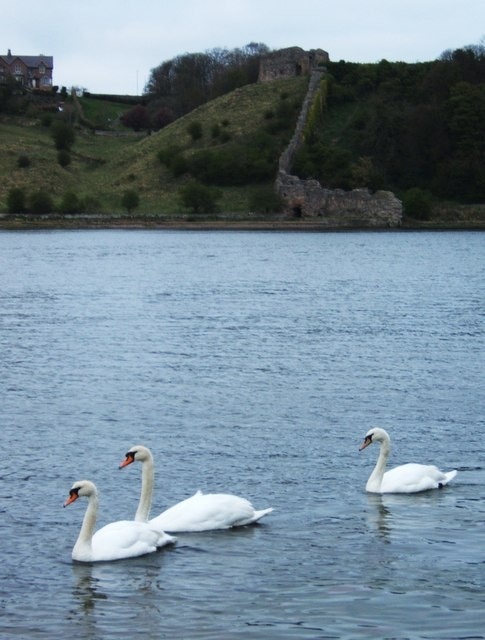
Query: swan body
x=407, y=478
x=117, y=540
x=205, y=512
x=200, y=512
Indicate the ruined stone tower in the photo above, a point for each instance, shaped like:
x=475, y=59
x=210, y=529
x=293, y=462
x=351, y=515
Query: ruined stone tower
x=291, y=62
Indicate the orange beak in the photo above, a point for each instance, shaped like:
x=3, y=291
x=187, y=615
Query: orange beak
x=365, y=444
x=72, y=498
x=126, y=462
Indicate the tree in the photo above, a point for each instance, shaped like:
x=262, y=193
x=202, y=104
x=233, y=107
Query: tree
x=137, y=118
x=200, y=198
x=130, y=200
x=189, y=80
x=8, y=89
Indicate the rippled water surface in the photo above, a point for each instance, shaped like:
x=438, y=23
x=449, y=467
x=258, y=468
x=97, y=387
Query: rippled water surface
x=252, y=363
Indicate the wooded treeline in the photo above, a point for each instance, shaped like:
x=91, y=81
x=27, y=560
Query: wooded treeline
x=399, y=126
x=189, y=80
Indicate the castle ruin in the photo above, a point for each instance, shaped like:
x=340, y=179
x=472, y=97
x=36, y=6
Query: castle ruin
x=287, y=63
x=331, y=208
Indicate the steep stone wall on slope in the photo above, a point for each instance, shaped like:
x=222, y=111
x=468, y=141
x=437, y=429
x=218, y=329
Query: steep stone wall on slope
x=332, y=208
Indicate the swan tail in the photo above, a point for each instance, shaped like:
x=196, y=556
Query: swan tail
x=165, y=539
x=449, y=475
x=257, y=515
x=260, y=514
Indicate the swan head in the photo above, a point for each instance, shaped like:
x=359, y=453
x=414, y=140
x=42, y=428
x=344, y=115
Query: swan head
x=376, y=434
x=81, y=488
x=138, y=453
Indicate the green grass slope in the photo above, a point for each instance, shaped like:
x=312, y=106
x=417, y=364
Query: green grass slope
x=104, y=166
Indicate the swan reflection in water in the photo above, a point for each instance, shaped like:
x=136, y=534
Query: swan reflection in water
x=104, y=592
x=378, y=516
x=86, y=586
x=401, y=517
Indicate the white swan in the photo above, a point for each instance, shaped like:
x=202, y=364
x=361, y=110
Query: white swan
x=122, y=539
x=200, y=512
x=407, y=478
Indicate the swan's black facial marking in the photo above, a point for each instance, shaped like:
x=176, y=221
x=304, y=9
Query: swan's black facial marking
x=73, y=496
x=367, y=441
x=129, y=459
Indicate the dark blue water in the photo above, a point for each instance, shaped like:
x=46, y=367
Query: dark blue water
x=252, y=363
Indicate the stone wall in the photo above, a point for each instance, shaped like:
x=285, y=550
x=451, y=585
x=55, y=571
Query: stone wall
x=332, y=208
x=286, y=158
x=335, y=208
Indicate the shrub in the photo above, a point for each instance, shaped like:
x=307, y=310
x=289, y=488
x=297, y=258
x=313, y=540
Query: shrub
x=230, y=167
x=365, y=174
x=130, y=200
x=162, y=118
x=417, y=203
x=199, y=198
x=173, y=159
x=23, y=161
x=70, y=203
x=178, y=166
x=137, y=118
x=265, y=200
x=90, y=204
x=41, y=202
x=63, y=157
x=225, y=136
x=16, y=200
x=195, y=130
x=63, y=135
x=46, y=119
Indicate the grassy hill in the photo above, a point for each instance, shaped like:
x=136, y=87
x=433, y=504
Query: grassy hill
x=242, y=135
x=104, y=166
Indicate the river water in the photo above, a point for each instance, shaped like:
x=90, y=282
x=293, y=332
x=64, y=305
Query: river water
x=250, y=363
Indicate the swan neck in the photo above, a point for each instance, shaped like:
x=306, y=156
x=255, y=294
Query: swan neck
x=375, y=479
x=147, y=481
x=89, y=523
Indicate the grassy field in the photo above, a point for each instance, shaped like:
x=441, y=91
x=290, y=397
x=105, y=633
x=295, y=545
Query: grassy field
x=104, y=166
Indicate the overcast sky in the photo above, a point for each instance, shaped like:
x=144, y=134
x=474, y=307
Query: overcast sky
x=110, y=46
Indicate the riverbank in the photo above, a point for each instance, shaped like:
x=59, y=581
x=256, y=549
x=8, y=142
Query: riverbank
x=274, y=222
